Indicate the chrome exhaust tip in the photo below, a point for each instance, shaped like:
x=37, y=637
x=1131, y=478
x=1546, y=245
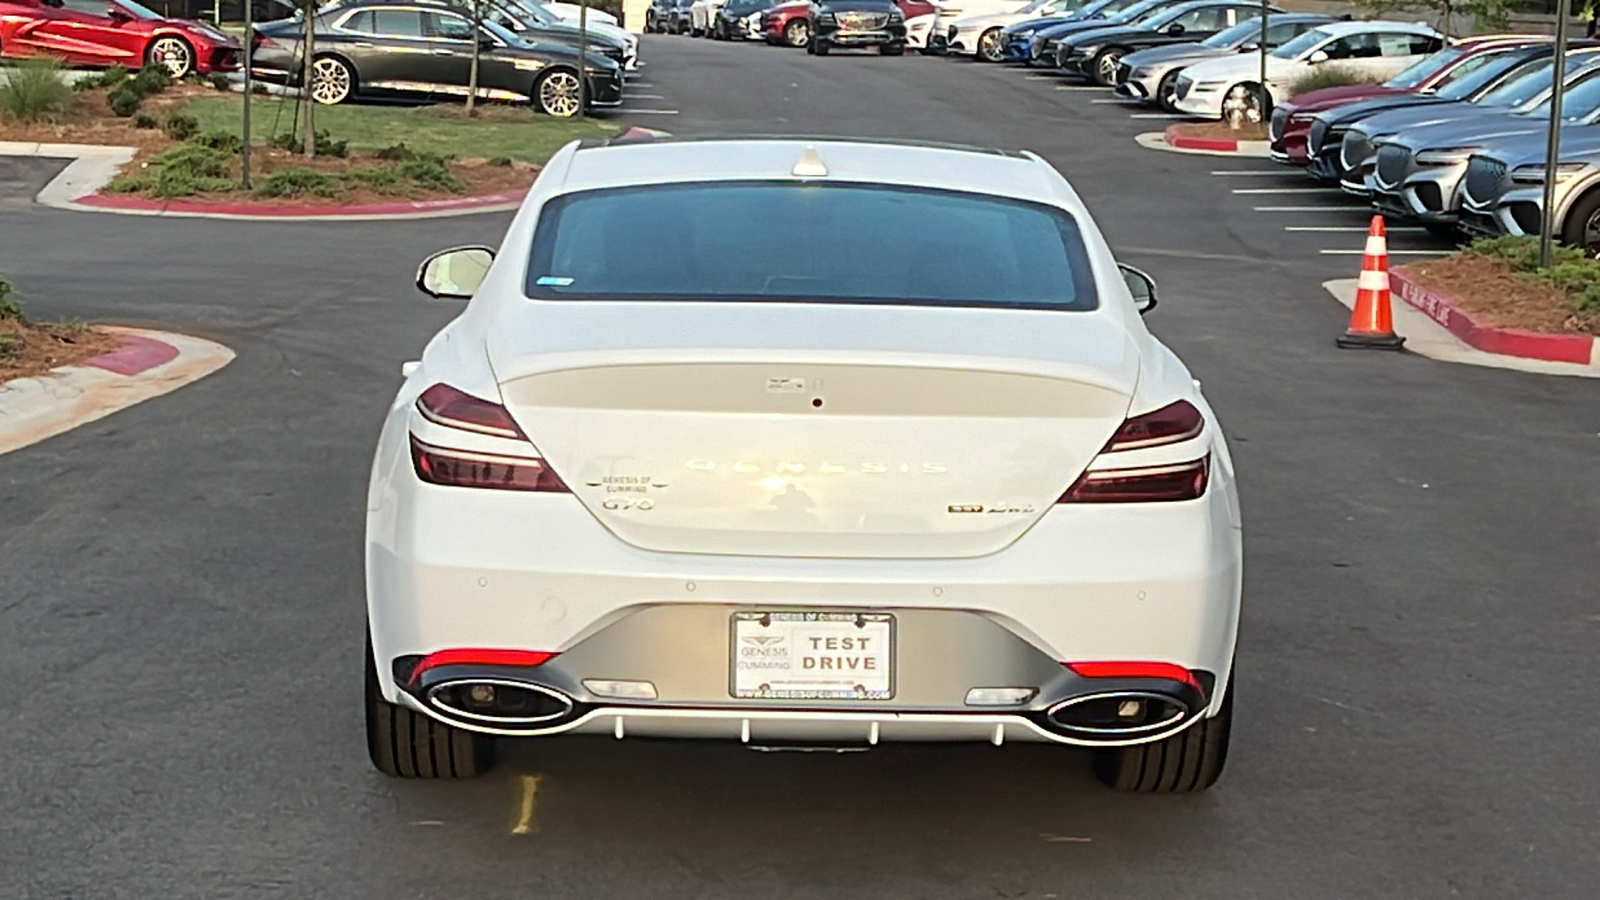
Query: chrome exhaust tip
x=499, y=702
x=1120, y=715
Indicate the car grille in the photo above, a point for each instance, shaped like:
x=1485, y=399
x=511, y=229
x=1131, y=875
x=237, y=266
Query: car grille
x=1317, y=134
x=1036, y=47
x=951, y=34
x=1481, y=184
x=1393, y=165
x=1354, y=151
x=1275, y=125
x=1183, y=86
x=869, y=20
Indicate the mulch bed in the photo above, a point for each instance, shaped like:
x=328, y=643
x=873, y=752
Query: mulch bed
x=29, y=348
x=1496, y=295
x=1219, y=131
x=91, y=121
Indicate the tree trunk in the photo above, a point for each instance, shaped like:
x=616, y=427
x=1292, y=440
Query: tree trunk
x=477, y=48
x=309, y=138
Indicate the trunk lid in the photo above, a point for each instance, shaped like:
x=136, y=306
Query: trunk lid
x=707, y=432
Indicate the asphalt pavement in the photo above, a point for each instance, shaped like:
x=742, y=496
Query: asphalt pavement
x=181, y=604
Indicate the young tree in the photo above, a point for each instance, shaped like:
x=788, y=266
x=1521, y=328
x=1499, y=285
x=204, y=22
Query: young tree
x=308, y=103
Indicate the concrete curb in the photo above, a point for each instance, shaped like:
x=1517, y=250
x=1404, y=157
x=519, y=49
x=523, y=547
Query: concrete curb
x=93, y=166
x=148, y=364
x=1426, y=337
x=1217, y=145
x=1157, y=140
x=1579, y=349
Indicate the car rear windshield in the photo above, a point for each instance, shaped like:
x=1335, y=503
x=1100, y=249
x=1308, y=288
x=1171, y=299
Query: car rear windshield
x=809, y=242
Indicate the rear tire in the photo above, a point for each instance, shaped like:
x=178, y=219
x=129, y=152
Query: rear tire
x=991, y=46
x=406, y=744
x=1582, y=227
x=1104, y=68
x=819, y=47
x=1188, y=762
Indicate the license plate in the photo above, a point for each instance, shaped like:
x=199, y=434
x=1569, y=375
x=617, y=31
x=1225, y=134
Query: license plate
x=812, y=656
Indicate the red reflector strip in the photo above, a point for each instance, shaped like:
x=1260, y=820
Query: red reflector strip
x=462, y=468
x=1152, y=484
x=1171, y=671
x=481, y=658
x=1170, y=424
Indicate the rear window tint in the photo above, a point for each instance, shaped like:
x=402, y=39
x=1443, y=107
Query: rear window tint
x=799, y=241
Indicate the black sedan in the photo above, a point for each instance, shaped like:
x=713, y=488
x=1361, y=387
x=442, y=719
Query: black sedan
x=1095, y=54
x=739, y=20
x=658, y=16
x=401, y=48
x=857, y=23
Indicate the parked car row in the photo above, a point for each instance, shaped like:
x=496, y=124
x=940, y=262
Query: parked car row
x=527, y=53
x=817, y=26
x=1457, y=143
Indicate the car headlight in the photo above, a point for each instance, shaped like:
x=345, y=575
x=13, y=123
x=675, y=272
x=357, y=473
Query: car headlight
x=825, y=18
x=1534, y=172
x=895, y=15
x=1083, y=49
x=1445, y=156
x=1301, y=118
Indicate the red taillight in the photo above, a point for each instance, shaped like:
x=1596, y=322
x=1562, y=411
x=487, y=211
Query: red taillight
x=464, y=468
x=1170, y=424
x=1135, y=670
x=1181, y=481
x=444, y=405
x=481, y=658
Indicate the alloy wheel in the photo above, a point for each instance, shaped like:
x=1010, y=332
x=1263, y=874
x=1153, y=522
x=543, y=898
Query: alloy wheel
x=330, y=81
x=799, y=33
x=172, y=54
x=1106, y=70
x=1591, y=235
x=558, y=94
x=990, y=47
x=1242, y=103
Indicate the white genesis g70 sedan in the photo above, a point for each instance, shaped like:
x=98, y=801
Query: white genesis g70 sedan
x=801, y=443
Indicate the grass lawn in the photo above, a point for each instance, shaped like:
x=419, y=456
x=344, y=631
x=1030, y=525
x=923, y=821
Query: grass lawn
x=512, y=132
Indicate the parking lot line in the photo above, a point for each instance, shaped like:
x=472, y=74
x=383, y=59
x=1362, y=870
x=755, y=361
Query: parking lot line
x=648, y=112
x=650, y=96
x=1249, y=173
x=1158, y=116
x=1079, y=87
x=1392, y=252
x=1286, y=190
x=1127, y=100
x=1362, y=229
x=1313, y=209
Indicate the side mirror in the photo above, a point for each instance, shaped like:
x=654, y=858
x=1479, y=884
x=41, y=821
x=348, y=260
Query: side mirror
x=118, y=14
x=1321, y=56
x=1141, y=286
x=454, y=273
x=1176, y=28
x=1250, y=47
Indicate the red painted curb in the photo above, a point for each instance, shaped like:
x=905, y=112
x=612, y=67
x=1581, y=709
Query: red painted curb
x=130, y=202
x=1198, y=143
x=135, y=354
x=1572, y=348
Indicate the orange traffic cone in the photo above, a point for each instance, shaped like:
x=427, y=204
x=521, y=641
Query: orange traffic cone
x=1371, y=322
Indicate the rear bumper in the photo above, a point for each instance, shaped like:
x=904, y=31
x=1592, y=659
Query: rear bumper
x=462, y=568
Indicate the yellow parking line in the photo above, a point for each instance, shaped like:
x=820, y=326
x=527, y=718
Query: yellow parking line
x=530, y=790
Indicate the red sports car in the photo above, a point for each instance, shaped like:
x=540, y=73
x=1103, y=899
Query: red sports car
x=112, y=32
x=1291, y=120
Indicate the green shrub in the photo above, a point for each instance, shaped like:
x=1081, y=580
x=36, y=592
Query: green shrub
x=145, y=121
x=110, y=78
x=124, y=99
x=195, y=159
x=1571, y=268
x=325, y=144
x=9, y=308
x=383, y=179
x=34, y=92
x=180, y=127
x=290, y=182
x=429, y=173
x=127, y=184
x=220, y=81
x=1327, y=76
x=152, y=79
x=223, y=141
